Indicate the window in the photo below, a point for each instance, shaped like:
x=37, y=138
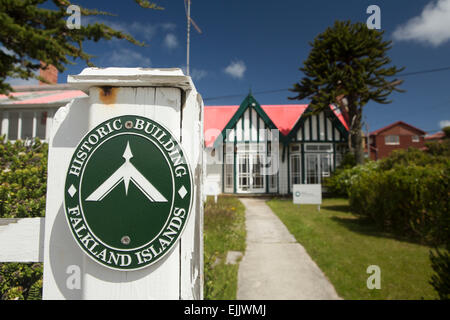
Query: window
x=415, y=139
x=319, y=147
x=296, y=169
x=325, y=147
x=325, y=164
x=244, y=171
x=13, y=125
x=295, y=148
x=392, y=140
x=312, y=147
x=24, y=124
x=312, y=169
x=318, y=165
x=229, y=166
x=258, y=178
x=27, y=125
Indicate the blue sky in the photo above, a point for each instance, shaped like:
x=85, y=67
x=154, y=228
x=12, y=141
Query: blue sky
x=261, y=44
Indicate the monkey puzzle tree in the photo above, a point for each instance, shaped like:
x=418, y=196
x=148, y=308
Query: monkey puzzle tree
x=347, y=66
x=33, y=36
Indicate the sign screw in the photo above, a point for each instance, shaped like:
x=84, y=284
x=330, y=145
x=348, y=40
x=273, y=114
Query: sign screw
x=129, y=124
x=125, y=240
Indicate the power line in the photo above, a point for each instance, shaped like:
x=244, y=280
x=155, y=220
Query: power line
x=237, y=95
x=422, y=72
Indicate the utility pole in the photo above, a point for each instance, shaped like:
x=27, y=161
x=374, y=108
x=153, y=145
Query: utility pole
x=188, y=34
x=187, y=8
x=367, y=138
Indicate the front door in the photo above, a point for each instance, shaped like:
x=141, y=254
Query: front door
x=250, y=177
x=312, y=168
x=318, y=166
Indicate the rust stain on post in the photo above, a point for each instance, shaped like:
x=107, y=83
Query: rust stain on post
x=108, y=95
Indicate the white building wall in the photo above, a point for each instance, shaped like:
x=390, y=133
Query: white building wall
x=26, y=123
x=213, y=179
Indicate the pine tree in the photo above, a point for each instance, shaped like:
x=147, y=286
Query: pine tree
x=346, y=66
x=31, y=35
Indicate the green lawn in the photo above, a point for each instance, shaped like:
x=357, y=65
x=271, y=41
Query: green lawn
x=224, y=230
x=344, y=245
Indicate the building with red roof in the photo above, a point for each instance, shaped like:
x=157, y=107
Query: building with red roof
x=397, y=135
x=29, y=114
x=253, y=148
x=438, y=136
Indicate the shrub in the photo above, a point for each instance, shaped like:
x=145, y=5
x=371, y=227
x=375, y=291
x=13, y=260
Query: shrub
x=23, y=184
x=341, y=180
x=406, y=193
x=441, y=149
x=436, y=154
x=23, y=179
x=440, y=262
x=20, y=281
x=446, y=131
x=410, y=200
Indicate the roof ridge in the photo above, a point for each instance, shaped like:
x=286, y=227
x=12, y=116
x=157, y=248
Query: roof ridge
x=392, y=125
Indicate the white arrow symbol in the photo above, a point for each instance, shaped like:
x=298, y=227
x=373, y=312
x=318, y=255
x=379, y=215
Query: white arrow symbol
x=126, y=173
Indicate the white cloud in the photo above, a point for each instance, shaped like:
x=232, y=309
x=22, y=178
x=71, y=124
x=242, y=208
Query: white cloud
x=139, y=30
x=195, y=74
x=432, y=26
x=198, y=74
x=170, y=41
x=168, y=26
x=128, y=58
x=146, y=31
x=444, y=123
x=236, y=69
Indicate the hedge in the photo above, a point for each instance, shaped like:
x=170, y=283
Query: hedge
x=406, y=193
x=23, y=184
x=411, y=201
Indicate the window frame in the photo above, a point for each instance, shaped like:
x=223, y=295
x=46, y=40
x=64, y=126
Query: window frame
x=392, y=143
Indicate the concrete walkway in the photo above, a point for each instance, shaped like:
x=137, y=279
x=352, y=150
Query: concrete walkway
x=275, y=266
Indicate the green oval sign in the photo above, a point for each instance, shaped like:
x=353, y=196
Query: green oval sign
x=128, y=192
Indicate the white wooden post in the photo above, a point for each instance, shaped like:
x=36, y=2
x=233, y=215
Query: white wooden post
x=19, y=126
x=49, y=124
x=5, y=124
x=167, y=97
x=35, y=115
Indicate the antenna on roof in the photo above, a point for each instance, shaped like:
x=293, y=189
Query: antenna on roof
x=187, y=8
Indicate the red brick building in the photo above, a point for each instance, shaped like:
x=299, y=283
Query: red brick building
x=398, y=135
